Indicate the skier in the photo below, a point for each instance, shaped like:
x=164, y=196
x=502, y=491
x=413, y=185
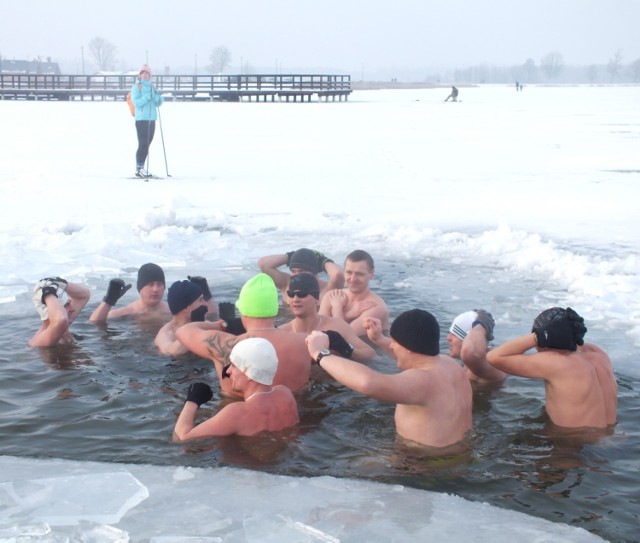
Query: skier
x=146, y=101
x=453, y=95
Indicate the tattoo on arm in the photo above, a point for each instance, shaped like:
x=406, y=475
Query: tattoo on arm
x=219, y=348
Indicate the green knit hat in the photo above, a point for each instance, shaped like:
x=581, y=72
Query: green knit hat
x=258, y=297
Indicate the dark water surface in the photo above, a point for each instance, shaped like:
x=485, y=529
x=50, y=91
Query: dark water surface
x=112, y=398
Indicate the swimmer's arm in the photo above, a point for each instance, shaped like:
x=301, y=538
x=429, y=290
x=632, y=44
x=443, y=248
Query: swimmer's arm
x=378, y=311
x=510, y=358
x=269, y=264
x=474, y=355
x=223, y=424
x=168, y=344
x=373, y=329
x=204, y=339
x=58, y=324
x=79, y=296
x=335, y=274
x=408, y=387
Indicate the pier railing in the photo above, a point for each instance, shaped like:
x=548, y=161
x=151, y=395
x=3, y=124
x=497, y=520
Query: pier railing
x=178, y=87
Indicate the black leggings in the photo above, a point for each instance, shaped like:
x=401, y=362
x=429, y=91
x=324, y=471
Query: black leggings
x=145, y=131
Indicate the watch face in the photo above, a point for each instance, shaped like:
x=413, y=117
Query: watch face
x=321, y=354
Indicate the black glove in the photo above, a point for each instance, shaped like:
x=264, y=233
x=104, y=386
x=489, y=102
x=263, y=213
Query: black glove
x=58, y=281
x=199, y=393
x=338, y=344
x=322, y=260
x=227, y=311
x=234, y=326
x=48, y=290
x=558, y=334
x=116, y=290
x=198, y=314
x=484, y=319
x=202, y=283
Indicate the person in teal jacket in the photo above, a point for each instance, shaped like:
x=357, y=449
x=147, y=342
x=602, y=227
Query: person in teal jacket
x=146, y=101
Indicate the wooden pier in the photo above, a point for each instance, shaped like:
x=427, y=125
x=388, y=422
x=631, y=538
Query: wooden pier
x=230, y=88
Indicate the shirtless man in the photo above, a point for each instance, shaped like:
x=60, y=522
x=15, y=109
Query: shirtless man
x=302, y=260
x=303, y=293
x=468, y=337
x=432, y=392
x=580, y=387
x=151, y=286
x=186, y=304
x=356, y=302
x=258, y=307
x=266, y=407
x=58, y=303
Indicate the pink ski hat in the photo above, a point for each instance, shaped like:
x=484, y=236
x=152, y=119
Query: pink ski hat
x=145, y=68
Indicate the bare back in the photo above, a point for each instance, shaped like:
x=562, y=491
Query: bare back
x=294, y=362
x=581, y=390
x=441, y=414
x=270, y=411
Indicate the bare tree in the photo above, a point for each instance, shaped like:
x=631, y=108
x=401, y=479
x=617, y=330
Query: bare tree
x=530, y=69
x=103, y=53
x=219, y=59
x=614, y=65
x=592, y=73
x=552, y=64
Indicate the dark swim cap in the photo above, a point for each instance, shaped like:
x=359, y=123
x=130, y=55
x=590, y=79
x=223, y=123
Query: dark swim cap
x=149, y=273
x=305, y=259
x=558, y=313
x=418, y=331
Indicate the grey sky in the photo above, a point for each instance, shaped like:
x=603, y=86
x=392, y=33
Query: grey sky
x=351, y=35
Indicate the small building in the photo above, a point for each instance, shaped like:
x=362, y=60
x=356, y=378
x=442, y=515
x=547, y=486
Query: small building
x=43, y=67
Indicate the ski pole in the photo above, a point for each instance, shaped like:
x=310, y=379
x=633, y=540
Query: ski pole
x=166, y=167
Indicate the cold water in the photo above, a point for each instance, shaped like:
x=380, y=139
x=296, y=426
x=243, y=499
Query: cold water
x=112, y=398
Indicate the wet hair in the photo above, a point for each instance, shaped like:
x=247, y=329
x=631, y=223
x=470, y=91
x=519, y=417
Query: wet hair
x=361, y=256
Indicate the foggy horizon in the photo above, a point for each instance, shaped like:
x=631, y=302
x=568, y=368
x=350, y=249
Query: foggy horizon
x=368, y=40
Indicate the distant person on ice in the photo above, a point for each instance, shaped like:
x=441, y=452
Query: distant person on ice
x=146, y=100
x=453, y=95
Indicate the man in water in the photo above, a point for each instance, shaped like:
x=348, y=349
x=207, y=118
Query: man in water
x=468, y=338
x=580, y=387
x=432, y=392
x=303, y=292
x=151, y=286
x=356, y=302
x=266, y=407
x=299, y=261
x=186, y=304
x=453, y=95
x=258, y=307
x=58, y=302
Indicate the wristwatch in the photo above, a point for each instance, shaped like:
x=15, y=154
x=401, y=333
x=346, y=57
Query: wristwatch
x=322, y=354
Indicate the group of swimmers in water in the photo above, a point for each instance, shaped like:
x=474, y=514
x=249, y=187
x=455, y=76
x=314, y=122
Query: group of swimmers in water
x=336, y=323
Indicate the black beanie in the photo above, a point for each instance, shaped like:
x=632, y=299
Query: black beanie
x=418, y=331
x=305, y=259
x=181, y=294
x=149, y=273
